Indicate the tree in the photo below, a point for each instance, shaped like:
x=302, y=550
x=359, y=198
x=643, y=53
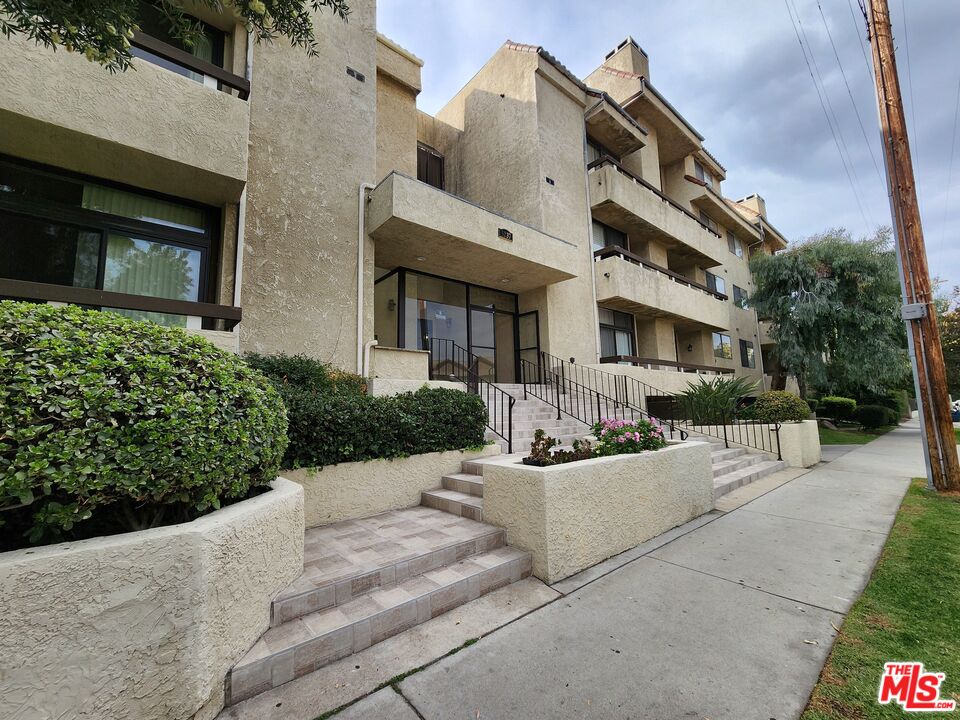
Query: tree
x=834, y=306
x=948, y=315
x=102, y=30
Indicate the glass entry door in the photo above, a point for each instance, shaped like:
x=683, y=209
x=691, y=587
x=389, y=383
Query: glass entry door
x=484, y=343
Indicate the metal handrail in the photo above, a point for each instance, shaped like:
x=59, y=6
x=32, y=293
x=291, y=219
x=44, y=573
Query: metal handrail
x=624, y=254
x=463, y=366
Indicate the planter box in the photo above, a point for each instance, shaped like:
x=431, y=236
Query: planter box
x=799, y=441
x=145, y=624
x=347, y=491
x=572, y=516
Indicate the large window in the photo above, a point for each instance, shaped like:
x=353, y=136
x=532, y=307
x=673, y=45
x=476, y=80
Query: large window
x=596, y=151
x=703, y=175
x=716, y=284
x=616, y=333
x=65, y=230
x=209, y=46
x=734, y=245
x=747, y=356
x=740, y=297
x=429, y=166
x=709, y=222
x=721, y=346
x=606, y=236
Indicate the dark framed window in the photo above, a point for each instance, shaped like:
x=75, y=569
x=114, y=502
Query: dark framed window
x=721, y=346
x=709, y=222
x=617, y=335
x=740, y=297
x=606, y=236
x=703, y=175
x=429, y=166
x=596, y=150
x=747, y=354
x=65, y=229
x=716, y=284
x=209, y=46
x=734, y=245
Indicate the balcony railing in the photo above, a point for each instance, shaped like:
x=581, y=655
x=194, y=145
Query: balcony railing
x=607, y=160
x=185, y=59
x=614, y=251
x=657, y=364
x=46, y=292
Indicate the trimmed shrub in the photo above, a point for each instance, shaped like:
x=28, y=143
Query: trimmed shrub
x=813, y=404
x=617, y=437
x=838, y=408
x=774, y=406
x=895, y=400
x=875, y=416
x=124, y=424
x=307, y=374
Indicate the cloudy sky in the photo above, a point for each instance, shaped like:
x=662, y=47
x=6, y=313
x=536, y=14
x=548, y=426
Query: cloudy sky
x=735, y=70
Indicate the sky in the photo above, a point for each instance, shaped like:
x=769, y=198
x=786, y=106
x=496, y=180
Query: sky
x=735, y=70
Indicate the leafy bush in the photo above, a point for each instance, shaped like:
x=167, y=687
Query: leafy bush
x=713, y=402
x=119, y=424
x=306, y=374
x=875, y=416
x=776, y=406
x=838, y=408
x=330, y=429
x=813, y=404
x=895, y=400
x=616, y=437
x=540, y=455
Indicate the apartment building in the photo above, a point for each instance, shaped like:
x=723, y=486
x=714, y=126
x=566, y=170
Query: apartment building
x=283, y=203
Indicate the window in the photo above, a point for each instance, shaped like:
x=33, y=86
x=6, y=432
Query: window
x=703, y=174
x=429, y=166
x=709, y=222
x=596, y=151
x=721, y=346
x=734, y=245
x=740, y=297
x=208, y=48
x=65, y=230
x=606, y=236
x=616, y=333
x=747, y=357
x=716, y=284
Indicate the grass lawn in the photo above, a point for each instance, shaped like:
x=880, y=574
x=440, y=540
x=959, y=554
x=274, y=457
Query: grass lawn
x=910, y=610
x=850, y=437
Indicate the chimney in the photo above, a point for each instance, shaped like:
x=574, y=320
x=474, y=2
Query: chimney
x=755, y=203
x=629, y=57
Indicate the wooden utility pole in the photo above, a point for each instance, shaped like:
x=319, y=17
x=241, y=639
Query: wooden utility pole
x=929, y=370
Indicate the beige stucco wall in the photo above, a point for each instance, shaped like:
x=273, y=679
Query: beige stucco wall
x=360, y=489
x=148, y=127
x=391, y=386
x=146, y=624
x=396, y=127
x=572, y=516
x=313, y=142
x=399, y=363
x=799, y=441
x=223, y=339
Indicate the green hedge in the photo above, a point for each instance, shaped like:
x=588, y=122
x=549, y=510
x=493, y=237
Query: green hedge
x=838, y=408
x=306, y=374
x=875, y=416
x=774, y=406
x=813, y=404
x=124, y=423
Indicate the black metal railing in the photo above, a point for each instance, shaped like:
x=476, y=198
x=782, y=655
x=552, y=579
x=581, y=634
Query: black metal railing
x=450, y=361
x=669, y=409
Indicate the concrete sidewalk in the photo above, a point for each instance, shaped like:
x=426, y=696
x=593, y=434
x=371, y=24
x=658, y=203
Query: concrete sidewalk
x=733, y=619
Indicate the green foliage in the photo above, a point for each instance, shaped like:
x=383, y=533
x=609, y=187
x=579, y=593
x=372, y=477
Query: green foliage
x=102, y=30
x=949, y=323
x=540, y=455
x=106, y=418
x=834, y=306
x=713, y=402
x=874, y=416
x=813, y=404
x=617, y=437
x=306, y=374
x=895, y=400
x=776, y=406
x=838, y=408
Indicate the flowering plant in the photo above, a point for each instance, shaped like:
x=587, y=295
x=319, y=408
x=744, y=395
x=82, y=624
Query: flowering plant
x=615, y=437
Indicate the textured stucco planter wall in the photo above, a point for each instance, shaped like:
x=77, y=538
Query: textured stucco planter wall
x=144, y=625
x=399, y=363
x=572, y=516
x=799, y=441
x=359, y=489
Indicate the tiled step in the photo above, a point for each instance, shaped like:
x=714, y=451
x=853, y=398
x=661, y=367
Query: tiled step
x=302, y=645
x=738, y=478
x=347, y=559
x=456, y=503
x=468, y=483
x=738, y=463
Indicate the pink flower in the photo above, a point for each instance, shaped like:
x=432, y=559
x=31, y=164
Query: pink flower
x=621, y=439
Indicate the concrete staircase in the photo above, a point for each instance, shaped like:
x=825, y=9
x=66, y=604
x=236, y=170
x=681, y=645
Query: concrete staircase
x=736, y=466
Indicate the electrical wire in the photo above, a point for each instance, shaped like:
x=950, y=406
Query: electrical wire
x=915, y=147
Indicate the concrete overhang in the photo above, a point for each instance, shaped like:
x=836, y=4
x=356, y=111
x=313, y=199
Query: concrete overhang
x=608, y=126
x=716, y=207
x=772, y=236
x=398, y=63
x=418, y=226
x=676, y=138
x=638, y=209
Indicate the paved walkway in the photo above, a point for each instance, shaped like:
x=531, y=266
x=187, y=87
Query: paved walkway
x=731, y=619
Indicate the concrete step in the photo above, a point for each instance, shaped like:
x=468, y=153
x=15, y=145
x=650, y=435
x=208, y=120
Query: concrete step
x=726, y=454
x=456, y=503
x=338, y=566
x=302, y=645
x=738, y=463
x=546, y=424
x=738, y=478
x=464, y=482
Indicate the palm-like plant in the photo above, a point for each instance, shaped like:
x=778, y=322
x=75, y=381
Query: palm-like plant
x=713, y=402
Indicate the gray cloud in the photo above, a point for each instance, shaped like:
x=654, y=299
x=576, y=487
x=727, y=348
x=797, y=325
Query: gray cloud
x=736, y=71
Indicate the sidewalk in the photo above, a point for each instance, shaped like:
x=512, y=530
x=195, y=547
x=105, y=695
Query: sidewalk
x=733, y=619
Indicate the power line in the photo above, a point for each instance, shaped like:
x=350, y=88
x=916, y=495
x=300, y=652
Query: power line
x=863, y=48
x=823, y=105
x=849, y=93
x=913, y=105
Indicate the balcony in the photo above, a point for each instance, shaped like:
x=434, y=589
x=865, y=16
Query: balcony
x=633, y=284
x=147, y=126
x=418, y=226
x=628, y=203
x=711, y=202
